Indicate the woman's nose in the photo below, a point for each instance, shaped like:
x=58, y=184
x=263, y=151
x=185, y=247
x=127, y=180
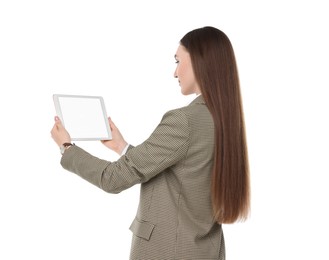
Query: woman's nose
x=175, y=74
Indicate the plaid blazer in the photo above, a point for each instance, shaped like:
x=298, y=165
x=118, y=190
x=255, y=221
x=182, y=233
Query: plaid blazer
x=174, y=219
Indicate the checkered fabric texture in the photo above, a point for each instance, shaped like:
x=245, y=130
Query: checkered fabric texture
x=173, y=167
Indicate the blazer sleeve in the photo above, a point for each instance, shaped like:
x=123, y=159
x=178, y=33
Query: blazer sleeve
x=167, y=145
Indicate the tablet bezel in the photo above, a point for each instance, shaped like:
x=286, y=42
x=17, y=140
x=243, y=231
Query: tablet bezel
x=59, y=112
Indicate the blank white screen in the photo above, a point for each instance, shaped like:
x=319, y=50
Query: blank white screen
x=83, y=118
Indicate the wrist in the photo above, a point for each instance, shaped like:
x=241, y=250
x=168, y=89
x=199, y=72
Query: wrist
x=64, y=147
x=124, y=149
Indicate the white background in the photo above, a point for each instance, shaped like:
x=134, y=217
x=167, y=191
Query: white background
x=123, y=51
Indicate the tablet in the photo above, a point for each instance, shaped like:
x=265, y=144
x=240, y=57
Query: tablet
x=84, y=117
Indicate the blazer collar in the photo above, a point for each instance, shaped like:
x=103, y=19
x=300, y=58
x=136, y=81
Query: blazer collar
x=198, y=100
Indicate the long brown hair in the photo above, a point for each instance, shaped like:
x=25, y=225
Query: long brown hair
x=216, y=72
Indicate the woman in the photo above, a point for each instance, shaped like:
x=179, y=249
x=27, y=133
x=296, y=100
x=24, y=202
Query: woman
x=193, y=169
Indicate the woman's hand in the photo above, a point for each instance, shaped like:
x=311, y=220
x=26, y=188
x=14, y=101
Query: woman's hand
x=59, y=133
x=117, y=144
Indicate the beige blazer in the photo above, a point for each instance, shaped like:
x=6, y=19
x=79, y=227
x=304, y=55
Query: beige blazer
x=174, y=218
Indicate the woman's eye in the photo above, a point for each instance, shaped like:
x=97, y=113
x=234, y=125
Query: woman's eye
x=176, y=61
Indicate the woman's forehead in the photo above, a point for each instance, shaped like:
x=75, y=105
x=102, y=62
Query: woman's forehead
x=181, y=50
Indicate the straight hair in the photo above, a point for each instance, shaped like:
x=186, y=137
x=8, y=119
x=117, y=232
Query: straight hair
x=216, y=72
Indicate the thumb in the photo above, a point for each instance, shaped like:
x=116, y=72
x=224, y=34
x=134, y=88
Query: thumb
x=112, y=125
x=58, y=121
